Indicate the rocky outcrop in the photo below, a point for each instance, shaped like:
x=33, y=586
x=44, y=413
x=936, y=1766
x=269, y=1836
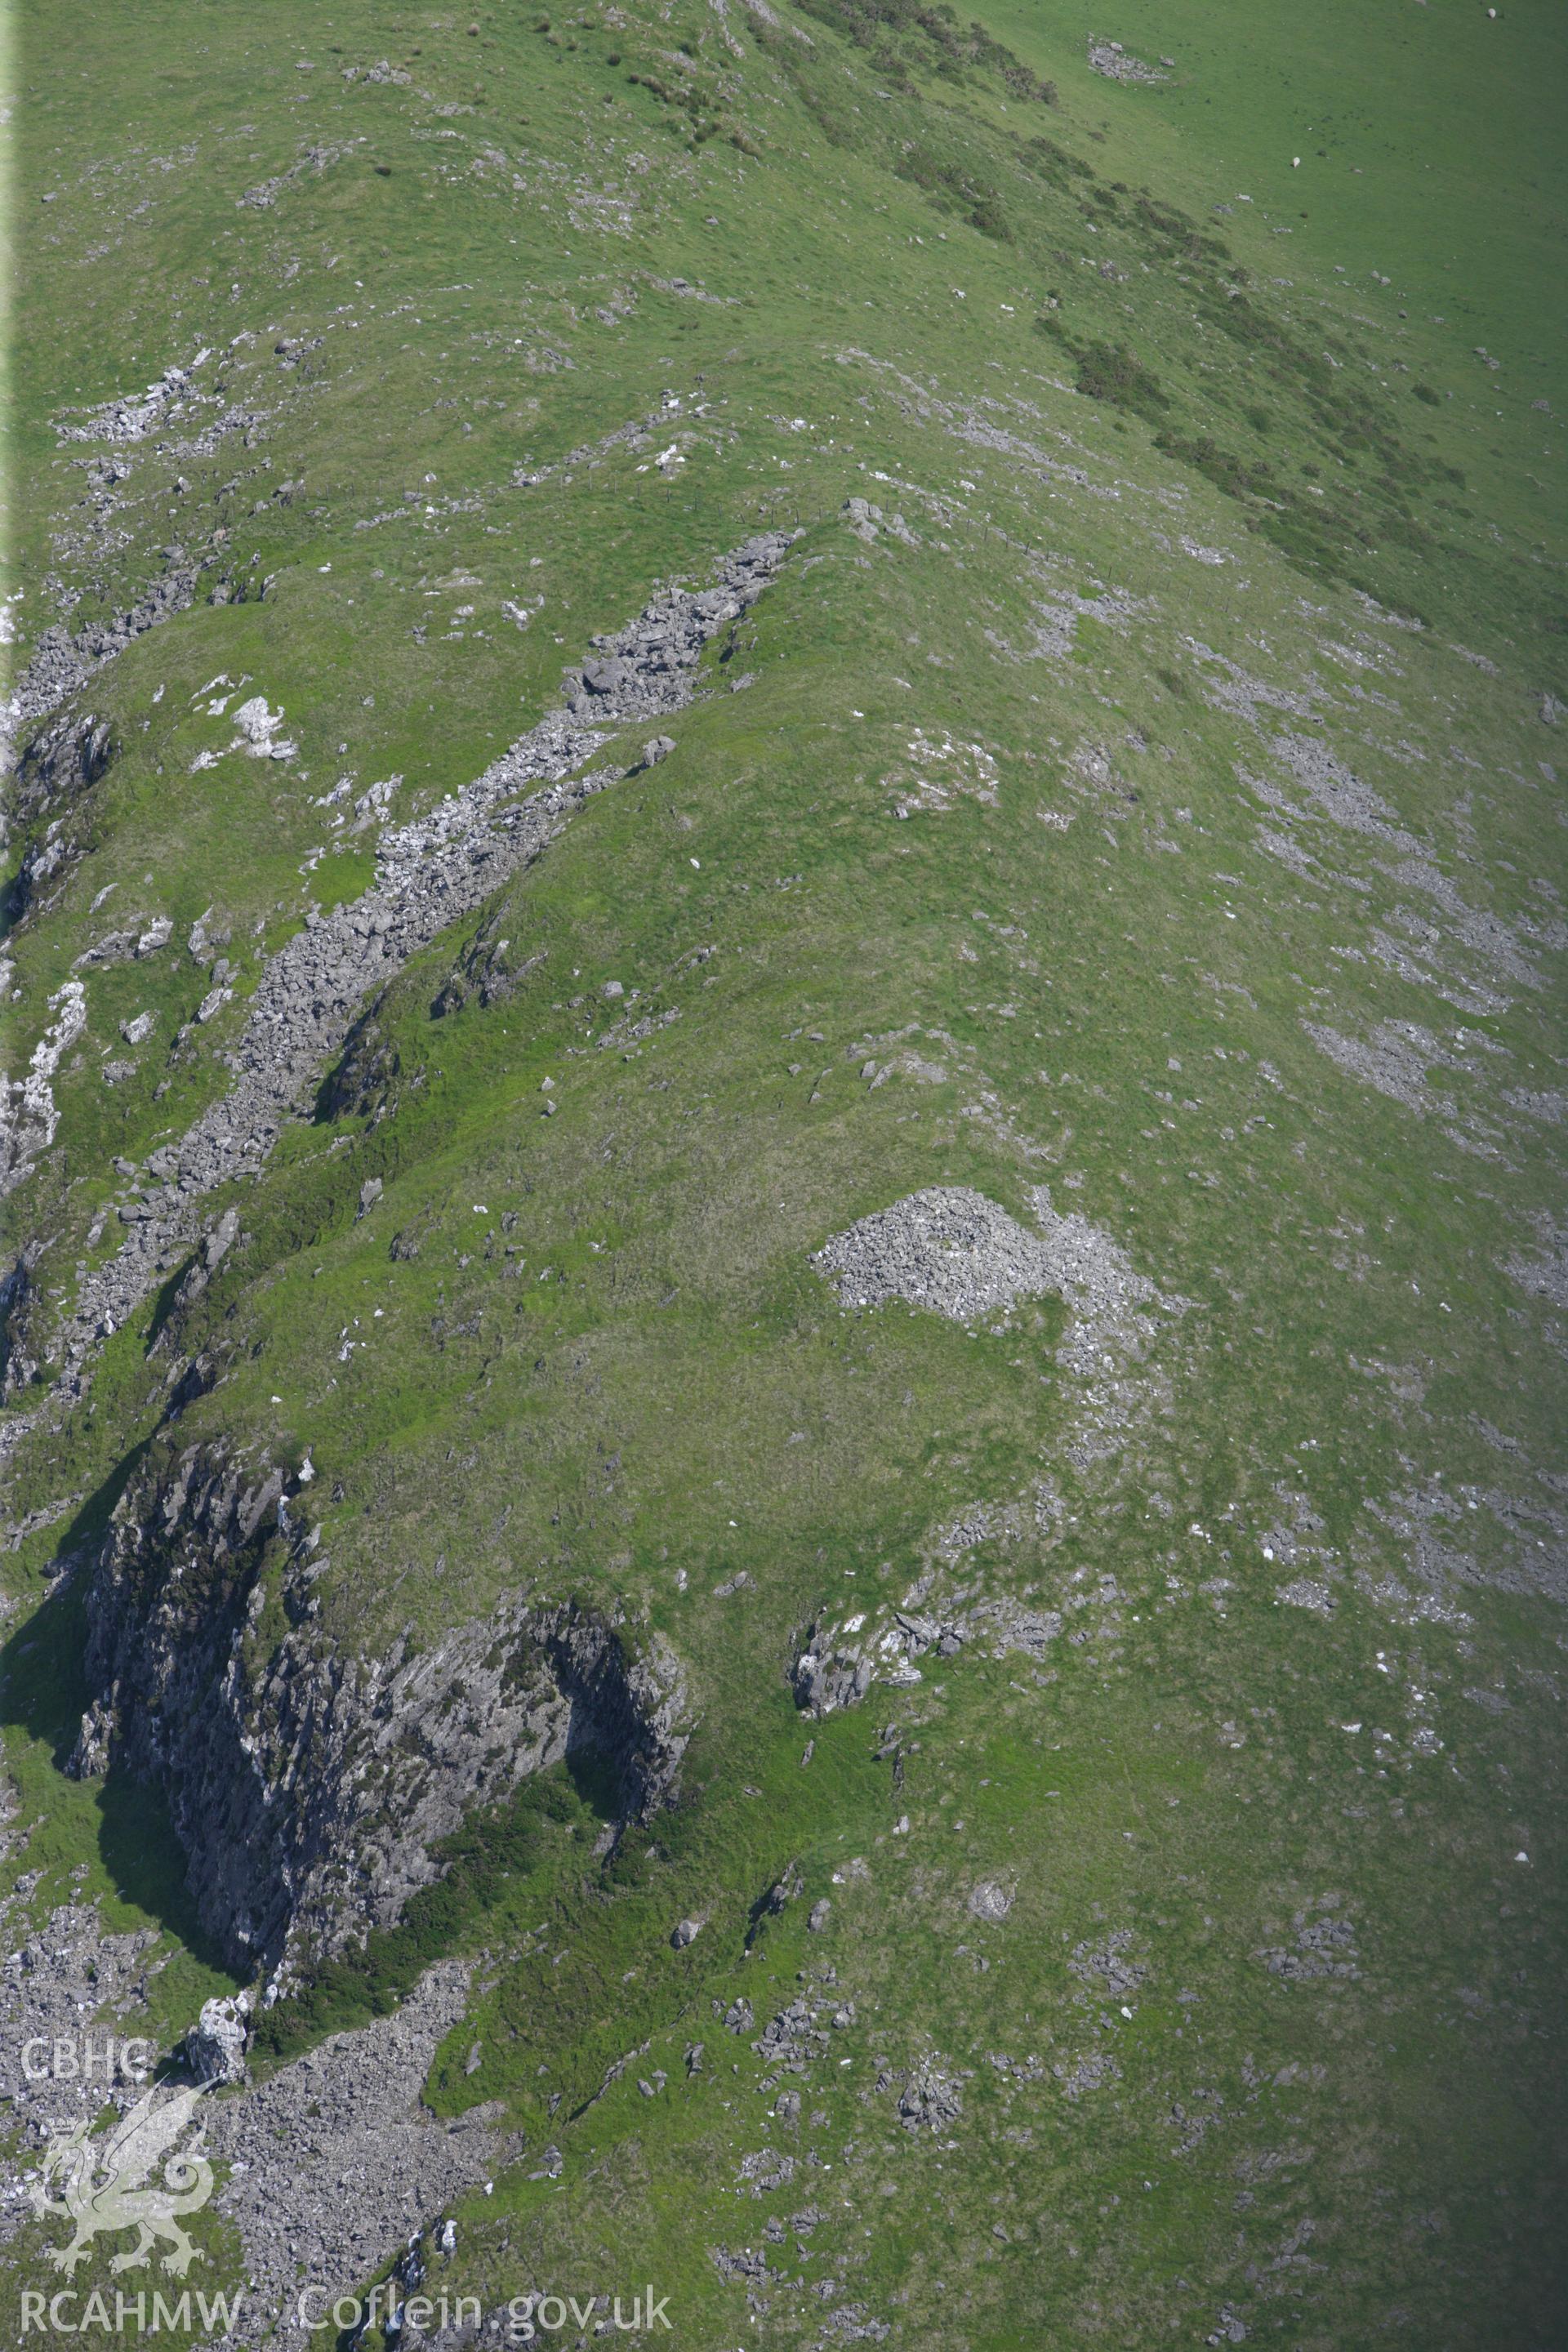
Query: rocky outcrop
x=840, y=1661
x=61, y=664
x=60, y=762
x=828, y=1674
x=19, y=1311
x=44, y=861
x=309, y=1785
x=28, y=1112
x=214, y=2047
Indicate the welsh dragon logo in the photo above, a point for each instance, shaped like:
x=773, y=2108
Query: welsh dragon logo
x=102, y=2185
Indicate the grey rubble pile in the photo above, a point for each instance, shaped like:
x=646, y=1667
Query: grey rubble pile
x=431, y=874
x=1109, y=1965
x=635, y=668
x=990, y=1899
x=929, y=2098
x=947, y=1248
x=952, y=1250
x=955, y=1251
x=334, y=2160
x=133, y=415
x=66, y=1990
x=1116, y=64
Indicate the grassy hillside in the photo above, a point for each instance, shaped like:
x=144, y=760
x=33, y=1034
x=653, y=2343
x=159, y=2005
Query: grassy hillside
x=1137, y=797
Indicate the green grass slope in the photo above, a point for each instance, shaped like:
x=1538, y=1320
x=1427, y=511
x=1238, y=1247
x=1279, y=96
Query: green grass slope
x=1156, y=800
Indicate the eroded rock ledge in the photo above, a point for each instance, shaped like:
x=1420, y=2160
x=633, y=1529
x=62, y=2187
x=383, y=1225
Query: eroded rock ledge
x=309, y=1785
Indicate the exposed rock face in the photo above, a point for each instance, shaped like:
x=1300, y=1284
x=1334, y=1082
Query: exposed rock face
x=214, y=2049
x=826, y=1676
x=308, y=1786
x=61, y=762
x=18, y=1308
x=841, y=1661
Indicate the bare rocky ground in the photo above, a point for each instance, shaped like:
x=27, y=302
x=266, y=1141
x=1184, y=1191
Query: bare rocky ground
x=326, y=2168
x=333, y=2162
x=66, y=1984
